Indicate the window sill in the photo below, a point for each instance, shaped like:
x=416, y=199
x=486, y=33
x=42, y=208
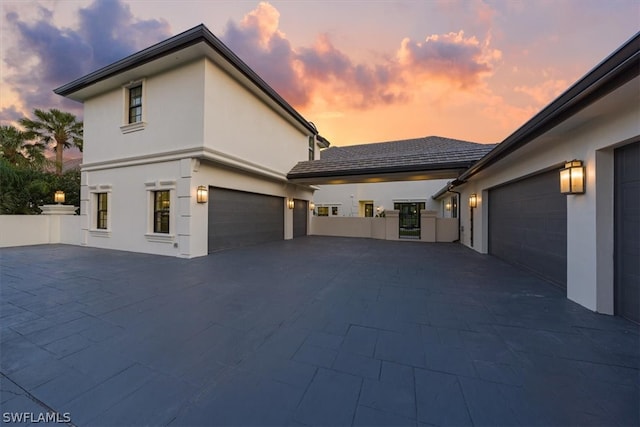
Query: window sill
x=133, y=127
x=100, y=233
x=159, y=237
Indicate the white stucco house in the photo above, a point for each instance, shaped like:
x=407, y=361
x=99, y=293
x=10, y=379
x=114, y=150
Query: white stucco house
x=587, y=239
x=180, y=121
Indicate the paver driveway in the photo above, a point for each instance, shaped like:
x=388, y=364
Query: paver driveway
x=312, y=331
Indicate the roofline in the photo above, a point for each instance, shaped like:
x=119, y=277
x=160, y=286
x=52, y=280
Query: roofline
x=197, y=34
x=617, y=69
x=380, y=170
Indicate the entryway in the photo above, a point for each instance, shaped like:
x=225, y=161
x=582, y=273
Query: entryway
x=409, y=219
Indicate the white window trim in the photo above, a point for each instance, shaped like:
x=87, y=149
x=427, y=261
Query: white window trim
x=93, y=209
x=152, y=187
x=138, y=126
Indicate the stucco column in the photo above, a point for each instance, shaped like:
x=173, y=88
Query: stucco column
x=428, y=226
x=392, y=219
x=55, y=212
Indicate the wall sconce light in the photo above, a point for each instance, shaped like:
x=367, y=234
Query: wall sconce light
x=572, y=178
x=58, y=197
x=291, y=204
x=473, y=201
x=447, y=206
x=202, y=194
x=312, y=206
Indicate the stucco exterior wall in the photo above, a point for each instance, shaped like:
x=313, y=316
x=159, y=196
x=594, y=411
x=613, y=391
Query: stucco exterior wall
x=243, y=126
x=382, y=194
x=173, y=112
x=25, y=230
x=590, y=136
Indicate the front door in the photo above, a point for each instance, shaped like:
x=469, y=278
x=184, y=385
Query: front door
x=409, y=219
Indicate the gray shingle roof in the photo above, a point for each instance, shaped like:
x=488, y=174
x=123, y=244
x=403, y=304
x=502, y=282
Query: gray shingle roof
x=428, y=153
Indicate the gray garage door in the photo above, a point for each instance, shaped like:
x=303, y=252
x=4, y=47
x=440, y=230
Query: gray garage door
x=528, y=226
x=238, y=218
x=300, y=215
x=627, y=231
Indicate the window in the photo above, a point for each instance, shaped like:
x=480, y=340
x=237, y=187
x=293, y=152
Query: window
x=102, y=211
x=368, y=210
x=454, y=207
x=135, y=104
x=161, y=211
x=312, y=146
x=334, y=211
x=323, y=211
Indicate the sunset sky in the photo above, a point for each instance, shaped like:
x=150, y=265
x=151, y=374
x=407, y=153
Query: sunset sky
x=362, y=71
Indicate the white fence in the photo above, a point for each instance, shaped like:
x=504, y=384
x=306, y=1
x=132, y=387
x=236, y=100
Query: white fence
x=24, y=230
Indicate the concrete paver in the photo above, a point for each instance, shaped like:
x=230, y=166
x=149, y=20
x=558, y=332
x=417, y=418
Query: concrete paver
x=313, y=331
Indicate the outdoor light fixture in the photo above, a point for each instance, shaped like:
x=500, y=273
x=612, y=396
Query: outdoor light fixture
x=447, y=206
x=291, y=204
x=58, y=197
x=312, y=206
x=202, y=194
x=473, y=201
x=572, y=178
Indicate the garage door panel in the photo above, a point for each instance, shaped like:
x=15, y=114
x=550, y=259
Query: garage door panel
x=300, y=217
x=238, y=218
x=528, y=226
x=627, y=231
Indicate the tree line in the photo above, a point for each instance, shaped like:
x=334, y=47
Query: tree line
x=28, y=178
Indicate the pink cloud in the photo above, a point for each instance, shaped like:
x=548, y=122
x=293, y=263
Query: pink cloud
x=324, y=75
x=544, y=92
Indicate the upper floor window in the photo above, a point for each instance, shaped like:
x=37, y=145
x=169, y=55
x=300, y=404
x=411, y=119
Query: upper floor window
x=135, y=104
x=161, y=211
x=312, y=148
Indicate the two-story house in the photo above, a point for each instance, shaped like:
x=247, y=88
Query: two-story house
x=187, y=151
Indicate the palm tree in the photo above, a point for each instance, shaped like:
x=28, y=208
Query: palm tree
x=57, y=128
x=17, y=150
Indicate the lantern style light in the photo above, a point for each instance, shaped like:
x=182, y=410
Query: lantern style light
x=447, y=206
x=473, y=201
x=312, y=206
x=58, y=197
x=291, y=204
x=202, y=194
x=572, y=178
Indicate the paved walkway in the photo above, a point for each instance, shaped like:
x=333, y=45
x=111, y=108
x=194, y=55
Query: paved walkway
x=313, y=331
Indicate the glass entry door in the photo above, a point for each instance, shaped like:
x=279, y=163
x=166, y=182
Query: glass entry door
x=409, y=219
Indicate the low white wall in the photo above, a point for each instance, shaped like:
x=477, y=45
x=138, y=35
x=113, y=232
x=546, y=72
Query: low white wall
x=347, y=226
x=25, y=230
x=433, y=229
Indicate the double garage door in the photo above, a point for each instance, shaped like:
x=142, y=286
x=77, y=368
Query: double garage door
x=528, y=226
x=239, y=218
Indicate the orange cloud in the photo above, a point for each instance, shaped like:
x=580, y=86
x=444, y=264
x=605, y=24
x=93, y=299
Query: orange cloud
x=544, y=92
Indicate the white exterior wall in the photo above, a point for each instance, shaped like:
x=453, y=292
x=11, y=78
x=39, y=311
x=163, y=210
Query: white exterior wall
x=242, y=126
x=590, y=136
x=383, y=194
x=24, y=230
x=173, y=110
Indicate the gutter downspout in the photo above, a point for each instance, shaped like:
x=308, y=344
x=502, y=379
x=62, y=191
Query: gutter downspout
x=458, y=208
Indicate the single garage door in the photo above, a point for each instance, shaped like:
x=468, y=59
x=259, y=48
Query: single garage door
x=300, y=215
x=627, y=231
x=238, y=218
x=528, y=226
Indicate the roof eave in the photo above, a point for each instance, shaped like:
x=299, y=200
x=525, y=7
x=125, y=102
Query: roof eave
x=178, y=42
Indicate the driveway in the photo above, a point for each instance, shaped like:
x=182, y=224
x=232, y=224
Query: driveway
x=314, y=331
